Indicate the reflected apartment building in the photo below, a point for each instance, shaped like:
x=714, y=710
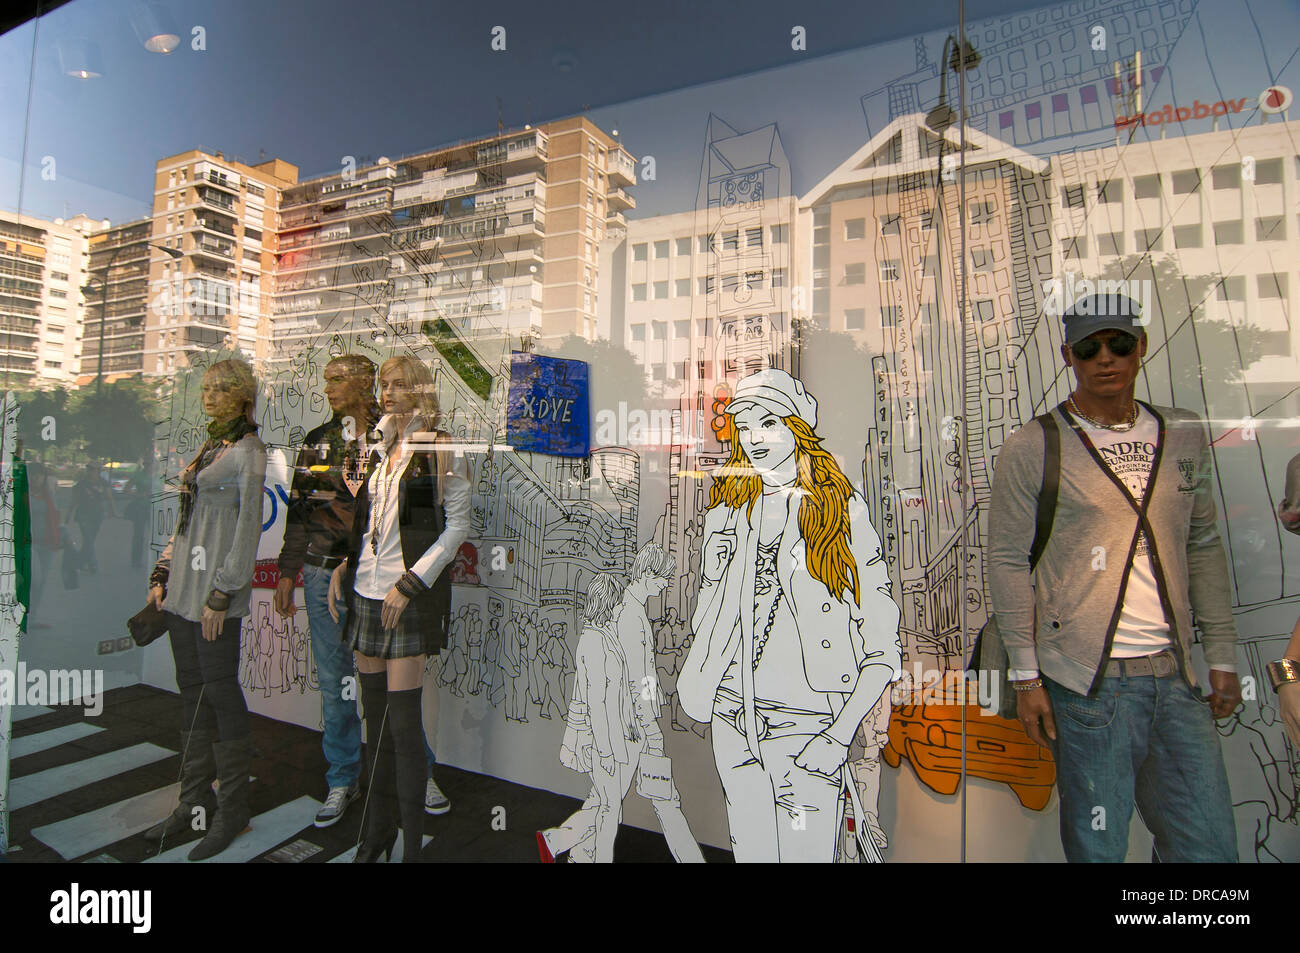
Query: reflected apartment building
x=474, y=250
x=43, y=265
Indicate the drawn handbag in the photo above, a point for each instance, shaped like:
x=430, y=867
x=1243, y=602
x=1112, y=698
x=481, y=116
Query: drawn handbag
x=654, y=778
x=147, y=625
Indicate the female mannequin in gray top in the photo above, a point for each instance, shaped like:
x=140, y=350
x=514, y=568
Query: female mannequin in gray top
x=205, y=591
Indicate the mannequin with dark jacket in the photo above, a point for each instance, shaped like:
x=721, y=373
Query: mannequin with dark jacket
x=412, y=514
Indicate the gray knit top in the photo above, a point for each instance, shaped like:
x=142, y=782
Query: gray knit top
x=218, y=550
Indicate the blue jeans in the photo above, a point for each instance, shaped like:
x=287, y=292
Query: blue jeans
x=1149, y=741
x=341, y=739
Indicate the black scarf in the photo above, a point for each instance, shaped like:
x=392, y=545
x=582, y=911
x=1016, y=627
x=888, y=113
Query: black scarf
x=219, y=433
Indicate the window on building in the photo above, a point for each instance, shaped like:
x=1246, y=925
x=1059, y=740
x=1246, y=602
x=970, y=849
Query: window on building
x=703, y=243
x=1231, y=288
x=1270, y=229
x=1268, y=172
x=661, y=248
x=981, y=259
x=927, y=220
x=1227, y=176
x=1075, y=247
x=1272, y=285
x=754, y=279
x=1227, y=233
x=58, y=293
x=856, y=227
x=855, y=273
x=59, y=276
x=1110, y=243
x=981, y=213
x=1110, y=192
x=891, y=316
x=661, y=290
x=638, y=332
x=984, y=309
x=683, y=246
x=855, y=319
x=754, y=237
x=682, y=329
x=731, y=240
x=1072, y=196
x=1187, y=236
x=889, y=270
x=1186, y=182
x=682, y=287
x=638, y=291
x=659, y=372
x=778, y=277
x=659, y=330
x=1152, y=239
x=1146, y=187
x=705, y=285
x=640, y=251
x=704, y=327
x=780, y=234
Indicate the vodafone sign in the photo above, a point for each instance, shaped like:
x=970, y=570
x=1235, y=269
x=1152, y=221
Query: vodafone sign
x=1275, y=99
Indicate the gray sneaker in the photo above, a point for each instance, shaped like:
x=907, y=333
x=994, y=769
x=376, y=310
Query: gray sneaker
x=336, y=803
x=435, y=802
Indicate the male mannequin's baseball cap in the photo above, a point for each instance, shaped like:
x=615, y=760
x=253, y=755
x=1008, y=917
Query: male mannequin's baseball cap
x=1102, y=312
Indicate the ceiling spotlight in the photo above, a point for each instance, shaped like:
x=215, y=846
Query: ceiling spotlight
x=153, y=27
x=79, y=57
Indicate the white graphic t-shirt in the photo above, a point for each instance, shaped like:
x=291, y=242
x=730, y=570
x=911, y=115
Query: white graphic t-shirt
x=1142, y=629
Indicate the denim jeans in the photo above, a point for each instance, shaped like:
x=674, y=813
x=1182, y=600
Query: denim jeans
x=341, y=739
x=1149, y=741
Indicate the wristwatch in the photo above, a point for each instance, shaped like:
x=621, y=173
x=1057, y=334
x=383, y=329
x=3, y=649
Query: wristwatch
x=1282, y=671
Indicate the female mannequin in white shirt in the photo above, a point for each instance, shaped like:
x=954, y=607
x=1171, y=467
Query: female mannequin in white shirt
x=391, y=625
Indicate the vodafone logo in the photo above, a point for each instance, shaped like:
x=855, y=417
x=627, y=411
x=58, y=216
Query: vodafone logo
x=1275, y=99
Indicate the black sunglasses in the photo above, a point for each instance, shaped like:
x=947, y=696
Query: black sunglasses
x=1120, y=344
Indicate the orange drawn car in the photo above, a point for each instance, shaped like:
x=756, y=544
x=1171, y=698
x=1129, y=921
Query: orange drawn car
x=997, y=749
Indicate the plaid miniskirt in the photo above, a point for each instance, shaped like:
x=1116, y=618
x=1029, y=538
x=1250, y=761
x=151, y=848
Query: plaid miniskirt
x=364, y=634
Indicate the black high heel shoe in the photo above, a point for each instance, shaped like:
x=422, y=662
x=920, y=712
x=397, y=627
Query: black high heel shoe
x=367, y=854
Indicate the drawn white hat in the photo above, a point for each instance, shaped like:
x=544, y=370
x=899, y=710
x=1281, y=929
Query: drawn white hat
x=776, y=392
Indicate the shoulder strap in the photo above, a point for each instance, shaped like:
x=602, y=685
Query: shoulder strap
x=1050, y=489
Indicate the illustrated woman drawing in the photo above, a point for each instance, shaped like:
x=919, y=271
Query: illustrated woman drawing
x=796, y=635
x=204, y=589
x=412, y=515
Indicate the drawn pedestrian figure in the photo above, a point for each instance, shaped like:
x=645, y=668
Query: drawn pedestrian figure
x=795, y=633
x=613, y=730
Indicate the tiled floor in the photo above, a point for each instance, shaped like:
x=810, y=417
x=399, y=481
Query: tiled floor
x=288, y=766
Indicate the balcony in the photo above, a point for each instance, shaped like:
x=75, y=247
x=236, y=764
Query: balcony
x=216, y=225
x=621, y=167
x=619, y=200
x=215, y=198
x=221, y=182
x=206, y=246
x=615, y=219
x=19, y=326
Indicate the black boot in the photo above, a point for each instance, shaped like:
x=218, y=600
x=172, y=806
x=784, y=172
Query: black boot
x=233, y=761
x=404, y=721
x=379, y=814
x=198, y=771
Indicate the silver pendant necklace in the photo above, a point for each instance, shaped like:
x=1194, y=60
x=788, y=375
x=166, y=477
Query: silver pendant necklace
x=1118, y=428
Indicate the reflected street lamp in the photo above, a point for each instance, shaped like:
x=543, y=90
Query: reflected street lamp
x=103, y=313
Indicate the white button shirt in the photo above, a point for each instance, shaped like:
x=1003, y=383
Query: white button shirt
x=378, y=572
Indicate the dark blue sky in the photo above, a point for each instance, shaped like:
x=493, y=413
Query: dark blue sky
x=311, y=82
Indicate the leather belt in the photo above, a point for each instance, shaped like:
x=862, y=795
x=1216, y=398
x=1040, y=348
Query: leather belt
x=1161, y=665
x=324, y=562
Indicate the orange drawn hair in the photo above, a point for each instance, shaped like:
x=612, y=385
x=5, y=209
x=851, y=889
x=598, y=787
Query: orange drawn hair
x=823, y=511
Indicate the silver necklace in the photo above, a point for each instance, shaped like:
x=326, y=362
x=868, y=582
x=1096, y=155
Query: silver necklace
x=387, y=488
x=1118, y=428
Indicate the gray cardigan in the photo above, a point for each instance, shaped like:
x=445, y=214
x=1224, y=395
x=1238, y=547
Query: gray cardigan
x=1063, y=623
x=219, y=548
